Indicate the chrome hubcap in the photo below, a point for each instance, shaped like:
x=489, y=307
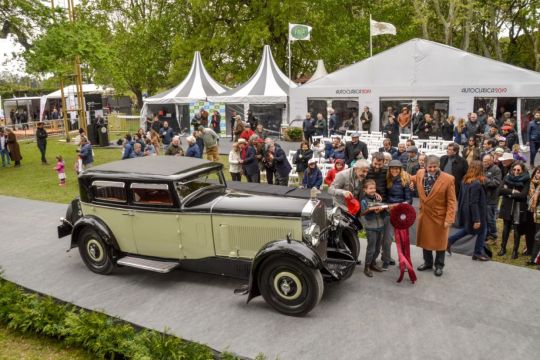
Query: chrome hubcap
x=287, y=285
x=95, y=250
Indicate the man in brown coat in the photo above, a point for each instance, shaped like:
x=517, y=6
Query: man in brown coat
x=437, y=212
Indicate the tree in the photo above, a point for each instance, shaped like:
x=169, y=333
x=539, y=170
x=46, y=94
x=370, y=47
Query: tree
x=23, y=19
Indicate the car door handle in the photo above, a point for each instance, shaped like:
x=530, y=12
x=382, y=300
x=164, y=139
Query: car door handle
x=128, y=214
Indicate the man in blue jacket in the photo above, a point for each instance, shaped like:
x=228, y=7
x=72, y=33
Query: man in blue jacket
x=248, y=159
x=533, y=135
x=166, y=134
x=128, y=148
x=86, y=154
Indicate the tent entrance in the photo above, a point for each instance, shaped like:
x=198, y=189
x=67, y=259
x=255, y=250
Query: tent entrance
x=270, y=115
x=345, y=109
x=436, y=107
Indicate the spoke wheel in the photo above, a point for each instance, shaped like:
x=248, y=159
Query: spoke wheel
x=290, y=286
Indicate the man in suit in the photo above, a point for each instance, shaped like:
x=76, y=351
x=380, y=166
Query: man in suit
x=248, y=159
x=281, y=164
x=366, y=118
x=437, y=213
x=455, y=165
x=416, y=117
x=355, y=149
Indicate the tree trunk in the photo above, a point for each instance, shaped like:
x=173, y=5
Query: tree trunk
x=138, y=93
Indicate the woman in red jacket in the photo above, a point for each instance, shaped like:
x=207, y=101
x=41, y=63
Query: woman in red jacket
x=331, y=175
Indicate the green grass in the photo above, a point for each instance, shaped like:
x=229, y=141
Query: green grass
x=40, y=182
x=15, y=345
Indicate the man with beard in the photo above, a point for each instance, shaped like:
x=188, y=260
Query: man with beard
x=455, y=165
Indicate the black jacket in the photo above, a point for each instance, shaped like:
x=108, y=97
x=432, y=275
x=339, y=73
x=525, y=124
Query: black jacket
x=492, y=184
x=508, y=199
x=283, y=168
x=301, y=159
x=447, y=131
x=380, y=181
x=422, y=126
x=353, y=150
x=459, y=169
x=472, y=207
x=41, y=136
x=415, y=119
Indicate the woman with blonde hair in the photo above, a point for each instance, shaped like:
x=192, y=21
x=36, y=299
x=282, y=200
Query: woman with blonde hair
x=460, y=133
x=472, y=210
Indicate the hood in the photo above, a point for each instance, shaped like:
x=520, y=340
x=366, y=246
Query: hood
x=339, y=161
x=252, y=204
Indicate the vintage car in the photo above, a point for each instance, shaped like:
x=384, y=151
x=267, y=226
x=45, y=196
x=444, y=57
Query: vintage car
x=161, y=213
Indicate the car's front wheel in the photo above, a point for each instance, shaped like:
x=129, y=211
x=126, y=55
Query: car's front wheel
x=290, y=286
x=95, y=252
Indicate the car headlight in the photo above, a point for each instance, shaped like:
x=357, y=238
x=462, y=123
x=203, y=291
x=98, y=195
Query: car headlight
x=334, y=216
x=313, y=233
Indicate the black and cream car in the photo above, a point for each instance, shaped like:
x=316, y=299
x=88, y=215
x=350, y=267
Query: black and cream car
x=161, y=213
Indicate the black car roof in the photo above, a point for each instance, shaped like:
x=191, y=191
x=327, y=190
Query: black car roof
x=176, y=167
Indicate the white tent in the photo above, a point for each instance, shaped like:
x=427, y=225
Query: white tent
x=320, y=72
x=267, y=86
x=197, y=85
x=427, y=73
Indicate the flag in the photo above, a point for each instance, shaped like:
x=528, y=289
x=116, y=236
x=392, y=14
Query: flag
x=381, y=28
x=299, y=32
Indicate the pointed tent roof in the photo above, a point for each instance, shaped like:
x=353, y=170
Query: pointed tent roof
x=197, y=85
x=268, y=84
x=319, y=72
x=426, y=63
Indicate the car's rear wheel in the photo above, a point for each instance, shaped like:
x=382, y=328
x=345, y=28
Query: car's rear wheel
x=290, y=286
x=95, y=252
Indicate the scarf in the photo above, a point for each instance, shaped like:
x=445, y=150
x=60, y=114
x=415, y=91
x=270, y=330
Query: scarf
x=429, y=181
x=534, y=190
x=516, y=181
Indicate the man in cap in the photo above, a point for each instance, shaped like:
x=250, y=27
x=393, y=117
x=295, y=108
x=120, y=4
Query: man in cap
x=510, y=136
x=437, y=213
x=355, y=149
x=482, y=117
x=505, y=163
x=412, y=162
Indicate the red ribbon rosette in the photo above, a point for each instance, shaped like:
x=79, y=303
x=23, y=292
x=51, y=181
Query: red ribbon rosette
x=402, y=217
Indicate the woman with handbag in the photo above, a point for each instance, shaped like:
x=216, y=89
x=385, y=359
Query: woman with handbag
x=513, y=209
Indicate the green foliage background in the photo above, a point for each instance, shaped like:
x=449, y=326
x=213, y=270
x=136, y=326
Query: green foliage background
x=146, y=46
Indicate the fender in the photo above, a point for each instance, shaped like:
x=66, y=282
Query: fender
x=297, y=249
x=347, y=220
x=98, y=225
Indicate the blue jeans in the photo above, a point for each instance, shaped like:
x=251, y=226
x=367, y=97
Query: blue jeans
x=480, y=239
x=5, y=157
x=492, y=221
x=374, y=239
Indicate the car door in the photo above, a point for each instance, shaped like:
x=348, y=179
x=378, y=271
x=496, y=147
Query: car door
x=156, y=223
x=109, y=203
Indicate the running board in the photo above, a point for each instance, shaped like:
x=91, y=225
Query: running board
x=148, y=264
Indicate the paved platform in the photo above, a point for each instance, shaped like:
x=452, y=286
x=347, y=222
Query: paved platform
x=474, y=311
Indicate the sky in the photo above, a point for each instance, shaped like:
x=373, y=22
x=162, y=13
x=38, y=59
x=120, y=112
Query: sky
x=7, y=63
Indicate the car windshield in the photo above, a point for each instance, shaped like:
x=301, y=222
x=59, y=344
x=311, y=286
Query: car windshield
x=210, y=180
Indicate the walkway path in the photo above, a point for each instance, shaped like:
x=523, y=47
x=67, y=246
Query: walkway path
x=475, y=311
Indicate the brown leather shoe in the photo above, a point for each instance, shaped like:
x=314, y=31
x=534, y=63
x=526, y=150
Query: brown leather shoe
x=376, y=268
x=480, y=257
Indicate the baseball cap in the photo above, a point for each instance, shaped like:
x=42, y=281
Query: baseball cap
x=412, y=149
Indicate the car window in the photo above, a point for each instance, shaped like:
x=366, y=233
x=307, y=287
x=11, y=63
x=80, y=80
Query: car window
x=210, y=179
x=112, y=191
x=151, y=194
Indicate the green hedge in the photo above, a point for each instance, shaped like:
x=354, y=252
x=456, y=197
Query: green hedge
x=99, y=334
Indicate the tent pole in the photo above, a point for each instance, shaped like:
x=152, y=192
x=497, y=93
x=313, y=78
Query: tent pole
x=370, y=39
x=290, y=54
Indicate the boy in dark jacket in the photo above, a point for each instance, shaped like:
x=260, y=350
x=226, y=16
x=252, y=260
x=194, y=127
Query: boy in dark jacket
x=372, y=219
x=312, y=176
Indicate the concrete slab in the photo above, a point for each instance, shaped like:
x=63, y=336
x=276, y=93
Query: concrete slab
x=474, y=311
